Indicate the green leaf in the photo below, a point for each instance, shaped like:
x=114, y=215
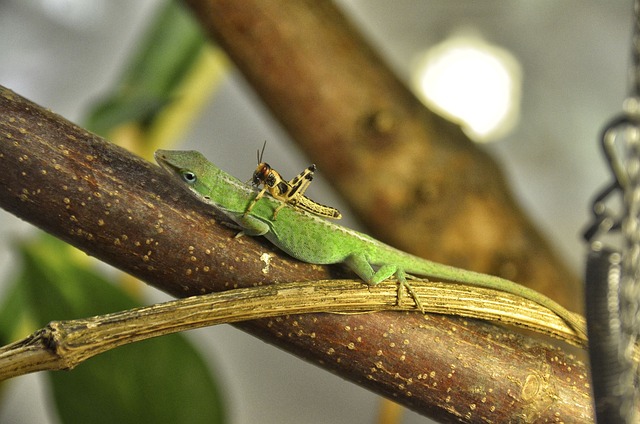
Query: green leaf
x=162, y=380
x=116, y=111
x=155, y=381
x=13, y=313
x=170, y=48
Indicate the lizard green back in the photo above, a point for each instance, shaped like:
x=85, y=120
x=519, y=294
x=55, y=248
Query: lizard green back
x=312, y=239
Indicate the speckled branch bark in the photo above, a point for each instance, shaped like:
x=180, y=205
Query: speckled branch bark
x=429, y=190
x=127, y=212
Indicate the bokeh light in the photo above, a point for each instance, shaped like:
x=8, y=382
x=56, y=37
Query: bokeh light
x=472, y=82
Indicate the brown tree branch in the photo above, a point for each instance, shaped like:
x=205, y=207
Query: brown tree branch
x=429, y=190
x=132, y=215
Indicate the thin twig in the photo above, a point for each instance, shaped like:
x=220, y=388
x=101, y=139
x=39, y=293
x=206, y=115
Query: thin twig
x=65, y=344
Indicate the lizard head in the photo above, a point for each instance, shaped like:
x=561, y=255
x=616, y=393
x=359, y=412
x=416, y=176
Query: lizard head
x=187, y=165
x=205, y=180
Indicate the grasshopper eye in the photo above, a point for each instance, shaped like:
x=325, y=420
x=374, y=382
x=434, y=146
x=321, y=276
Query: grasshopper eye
x=261, y=173
x=189, y=177
x=256, y=179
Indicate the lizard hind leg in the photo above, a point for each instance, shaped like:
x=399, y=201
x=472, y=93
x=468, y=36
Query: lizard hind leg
x=387, y=271
x=361, y=266
x=401, y=276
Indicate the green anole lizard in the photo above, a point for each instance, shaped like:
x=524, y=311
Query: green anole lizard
x=312, y=239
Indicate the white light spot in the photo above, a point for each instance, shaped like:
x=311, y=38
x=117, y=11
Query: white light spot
x=472, y=82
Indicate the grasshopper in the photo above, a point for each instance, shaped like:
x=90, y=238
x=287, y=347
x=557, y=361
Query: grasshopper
x=291, y=192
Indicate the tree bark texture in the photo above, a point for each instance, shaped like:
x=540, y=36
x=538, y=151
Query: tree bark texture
x=129, y=213
x=412, y=177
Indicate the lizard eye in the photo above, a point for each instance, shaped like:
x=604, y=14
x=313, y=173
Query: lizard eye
x=189, y=177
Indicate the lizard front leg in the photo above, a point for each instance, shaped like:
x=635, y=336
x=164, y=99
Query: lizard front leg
x=249, y=224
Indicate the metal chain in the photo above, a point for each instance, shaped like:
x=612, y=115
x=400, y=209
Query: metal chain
x=613, y=284
x=630, y=281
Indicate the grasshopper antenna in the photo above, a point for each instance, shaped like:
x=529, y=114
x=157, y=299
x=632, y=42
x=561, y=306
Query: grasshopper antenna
x=261, y=152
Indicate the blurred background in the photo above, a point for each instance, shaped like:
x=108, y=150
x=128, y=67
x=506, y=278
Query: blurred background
x=551, y=73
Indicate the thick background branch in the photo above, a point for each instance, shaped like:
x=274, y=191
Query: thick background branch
x=412, y=177
x=129, y=213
